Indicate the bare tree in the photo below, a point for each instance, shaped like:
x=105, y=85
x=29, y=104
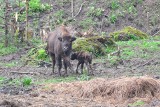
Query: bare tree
x=6, y=22
x=26, y=33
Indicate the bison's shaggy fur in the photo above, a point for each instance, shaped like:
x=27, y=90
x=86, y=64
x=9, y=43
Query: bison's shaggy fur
x=59, y=46
x=83, y=57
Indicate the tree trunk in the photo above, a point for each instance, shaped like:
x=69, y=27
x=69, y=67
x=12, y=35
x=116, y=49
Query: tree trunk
x=6, y=24
x=26, y=32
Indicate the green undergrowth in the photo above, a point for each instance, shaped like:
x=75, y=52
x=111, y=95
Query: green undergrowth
x=36, y=55
x=24, y=81
x=137, y=103
x=139, y=49
x=7, y=50
x=71, y=78
x=9, y=64
x=96, y=45
x=144, y=49
x=128, y=33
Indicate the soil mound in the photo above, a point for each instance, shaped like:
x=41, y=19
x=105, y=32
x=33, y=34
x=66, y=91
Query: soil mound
x=6, y=103
x=116, y=89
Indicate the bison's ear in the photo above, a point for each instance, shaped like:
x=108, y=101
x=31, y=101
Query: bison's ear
x=60, y=38
x=73, y=39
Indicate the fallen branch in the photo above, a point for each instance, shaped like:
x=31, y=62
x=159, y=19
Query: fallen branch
x=80, y=9
x=156, y=33
x=33, y=73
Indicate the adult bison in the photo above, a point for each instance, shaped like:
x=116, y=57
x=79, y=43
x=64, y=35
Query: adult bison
x=59, y=46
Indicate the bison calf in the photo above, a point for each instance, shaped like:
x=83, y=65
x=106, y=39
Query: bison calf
x=83, y=57
x=59, y=46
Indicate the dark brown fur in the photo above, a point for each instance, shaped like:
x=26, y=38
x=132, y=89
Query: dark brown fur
x=59, y=46
x=83, y=57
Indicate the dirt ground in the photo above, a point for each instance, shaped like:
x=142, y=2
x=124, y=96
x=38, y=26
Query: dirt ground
x=34, y=96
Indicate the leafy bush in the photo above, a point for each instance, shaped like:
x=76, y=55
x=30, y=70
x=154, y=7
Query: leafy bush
x=128, y=33
x=95, y=11
x=86, y=23
x=113, y=18
x=96, y=44
x=59, y=16
x=26, y=81
x=114, y=4
x=132, y=9
x=36, y=6
x=41, y=54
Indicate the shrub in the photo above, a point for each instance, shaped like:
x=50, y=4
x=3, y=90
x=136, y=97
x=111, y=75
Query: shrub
x=128, y=33
x=113, y=18
x=86, y=23
x=97, y=45
x=36, y=6
x=59, y=16
x=95, y=11
x=114, y=4
x=26, y=81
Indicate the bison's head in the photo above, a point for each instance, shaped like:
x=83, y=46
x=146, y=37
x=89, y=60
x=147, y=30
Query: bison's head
x=74, y=56
x=67, y=43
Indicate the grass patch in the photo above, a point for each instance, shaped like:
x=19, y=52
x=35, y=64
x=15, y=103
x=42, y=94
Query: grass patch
x=9, y=64
x=7, y=50
x=2, y=79
x=142, y=48
x=25, y=81
x=137, y=103
x=72, y=78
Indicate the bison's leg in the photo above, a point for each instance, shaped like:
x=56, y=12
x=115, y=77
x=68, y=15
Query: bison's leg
x=91, y=69
x=65, y=65
x=86, y=62
x=59, y=64
x=82, y=64
x=53, y=61
x=77, y=67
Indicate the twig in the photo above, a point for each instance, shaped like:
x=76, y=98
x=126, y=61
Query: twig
x=80, y=9
x=156, y=33
x=16, y=72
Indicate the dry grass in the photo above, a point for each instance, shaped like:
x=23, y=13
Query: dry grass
x=115, y=90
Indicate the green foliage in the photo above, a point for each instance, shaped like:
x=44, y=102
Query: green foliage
x=41, y=54
x=113, y=18
x=96, y=44
x=37, y=54
x=36, y=6
x=150, y=46
x=87, y=23
x=2, y=79
x=71, y=78
x=95, y=11
x=132, y=9
x=9, y=64
x=114, y=4
x=128, y=33
x=26, y=81
x=128, y=53
x=137, y=103
x=59, y=16
x=7, y=50
x=113, y=60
